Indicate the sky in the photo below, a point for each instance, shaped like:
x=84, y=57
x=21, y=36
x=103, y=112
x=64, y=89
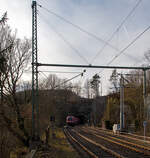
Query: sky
x=99, y=17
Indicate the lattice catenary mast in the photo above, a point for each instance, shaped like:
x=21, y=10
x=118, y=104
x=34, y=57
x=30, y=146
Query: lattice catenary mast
x=35, y=107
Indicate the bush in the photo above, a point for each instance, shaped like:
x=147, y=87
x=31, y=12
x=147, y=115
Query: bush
x=137, y=125
x=108, y=124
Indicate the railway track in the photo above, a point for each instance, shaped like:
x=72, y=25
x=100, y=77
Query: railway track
x=87, y=148
x=118, y=144
x=81, y=149
x=147, y=139
x=130, y=135
x=136, y=139
x=104, y=144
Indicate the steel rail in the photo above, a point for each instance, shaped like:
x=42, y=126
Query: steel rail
x=128, y=135
x=126, y=146
x=83, y=147
x=139, y=136
x=124, y=141
x=101, y=146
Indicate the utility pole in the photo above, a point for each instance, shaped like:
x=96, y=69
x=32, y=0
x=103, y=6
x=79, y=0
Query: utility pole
x=101, y=87
x=35, y=108
x=144, y=95
x=121, y=103
x=122, y=119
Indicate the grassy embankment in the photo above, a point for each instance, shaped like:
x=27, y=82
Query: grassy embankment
x=60, y=146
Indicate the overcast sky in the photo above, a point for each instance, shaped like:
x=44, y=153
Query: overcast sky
x=100, y=17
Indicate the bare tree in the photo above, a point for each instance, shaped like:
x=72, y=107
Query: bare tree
x=114, y=80
x=77, y=88
x=25, y=89
x=95, y=81
x=87, y=88
x=3, y=19
x=52, y=81
x=17, y=59
x=147, y=55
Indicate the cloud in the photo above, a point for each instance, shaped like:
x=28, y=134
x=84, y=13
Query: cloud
x=100, y=17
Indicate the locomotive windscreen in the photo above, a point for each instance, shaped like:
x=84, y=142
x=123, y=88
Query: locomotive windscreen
x=70, y=119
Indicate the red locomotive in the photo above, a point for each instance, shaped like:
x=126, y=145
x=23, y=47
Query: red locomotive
x=72, y=120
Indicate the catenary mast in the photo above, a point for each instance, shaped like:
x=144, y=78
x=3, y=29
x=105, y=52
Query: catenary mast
x=35, y=106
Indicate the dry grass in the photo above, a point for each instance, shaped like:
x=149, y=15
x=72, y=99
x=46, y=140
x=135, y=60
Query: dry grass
x=19, y=152
x=59, y=145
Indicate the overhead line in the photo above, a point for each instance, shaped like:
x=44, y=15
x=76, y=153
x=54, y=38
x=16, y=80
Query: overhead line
x=79, y=28
x=61, y=72
x=71, y=72
x=81, y=74
x=106, y=43
x=68, y=43
x=93, y=35
x=43, y=74
x=111, y=37
x=122, y=51
x=134, y=40
x=85, y=31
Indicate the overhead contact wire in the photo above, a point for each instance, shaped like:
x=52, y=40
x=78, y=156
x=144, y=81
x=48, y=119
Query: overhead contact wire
x=78, y=27
x=134, y=40
x=111, y=37
x=68, y=43
x=69, y=72
x=122, y=51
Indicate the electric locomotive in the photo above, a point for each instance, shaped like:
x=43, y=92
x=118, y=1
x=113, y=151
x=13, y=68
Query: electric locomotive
x=72, y=120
